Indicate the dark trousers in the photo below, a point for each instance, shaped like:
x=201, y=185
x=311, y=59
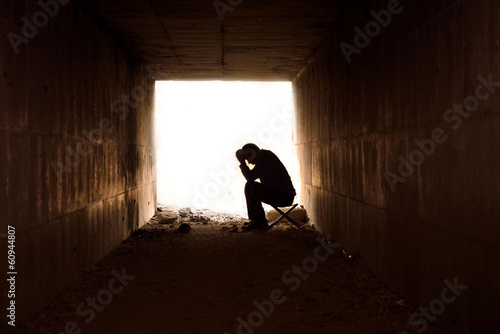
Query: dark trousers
x=256, y=193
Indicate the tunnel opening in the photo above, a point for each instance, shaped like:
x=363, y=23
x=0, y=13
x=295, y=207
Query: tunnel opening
x=199, y=127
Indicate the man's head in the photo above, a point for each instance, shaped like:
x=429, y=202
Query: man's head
x=251, y=152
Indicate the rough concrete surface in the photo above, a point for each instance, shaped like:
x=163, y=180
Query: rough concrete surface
x=77, y=170
x=358, y=121
x=203, y=281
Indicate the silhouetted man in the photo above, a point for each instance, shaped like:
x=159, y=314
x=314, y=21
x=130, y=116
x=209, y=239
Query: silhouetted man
x=275, y=186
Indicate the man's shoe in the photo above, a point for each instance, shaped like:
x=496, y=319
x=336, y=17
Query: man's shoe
x=253, y=220
x=255, y=225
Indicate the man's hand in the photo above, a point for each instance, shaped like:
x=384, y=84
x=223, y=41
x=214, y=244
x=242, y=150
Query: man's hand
x=240, y=156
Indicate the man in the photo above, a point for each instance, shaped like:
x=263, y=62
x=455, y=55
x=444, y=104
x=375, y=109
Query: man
x=275, y=186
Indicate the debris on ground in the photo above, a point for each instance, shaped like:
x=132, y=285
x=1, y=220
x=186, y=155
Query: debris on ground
x=183, y=229
x=184, y=212
x=197, y=215
x=233, y=228
x=198, y=218
x=167, y=217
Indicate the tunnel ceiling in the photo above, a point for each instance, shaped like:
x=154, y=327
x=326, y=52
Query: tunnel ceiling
x=257, y=40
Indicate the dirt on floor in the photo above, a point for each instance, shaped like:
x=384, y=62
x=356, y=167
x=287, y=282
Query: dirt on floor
x=218, y=279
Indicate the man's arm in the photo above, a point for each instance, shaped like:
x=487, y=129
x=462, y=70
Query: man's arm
x=249, y=175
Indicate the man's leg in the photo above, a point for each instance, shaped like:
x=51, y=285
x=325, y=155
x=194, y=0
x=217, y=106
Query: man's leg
x=276, y=198
x=254, y=192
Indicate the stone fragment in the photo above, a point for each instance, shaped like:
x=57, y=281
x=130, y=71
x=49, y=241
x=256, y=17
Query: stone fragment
x=184, y=229
x=184, y=212
x=167, y=217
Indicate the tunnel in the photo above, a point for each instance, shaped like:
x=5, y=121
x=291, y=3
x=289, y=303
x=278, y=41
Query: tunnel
x=395, y=120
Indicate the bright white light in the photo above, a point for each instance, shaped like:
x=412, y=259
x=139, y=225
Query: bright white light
x=199, y=127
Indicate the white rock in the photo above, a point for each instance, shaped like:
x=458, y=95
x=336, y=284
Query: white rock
x=167, y=217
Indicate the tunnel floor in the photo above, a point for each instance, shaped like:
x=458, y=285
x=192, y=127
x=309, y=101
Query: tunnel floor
x=158, y=281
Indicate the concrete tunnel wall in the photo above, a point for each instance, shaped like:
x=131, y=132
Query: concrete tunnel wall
x=69, y=79
x=355, y=119
x=353, y=122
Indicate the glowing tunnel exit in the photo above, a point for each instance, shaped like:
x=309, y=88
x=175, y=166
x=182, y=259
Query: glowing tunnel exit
x=199, y=127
